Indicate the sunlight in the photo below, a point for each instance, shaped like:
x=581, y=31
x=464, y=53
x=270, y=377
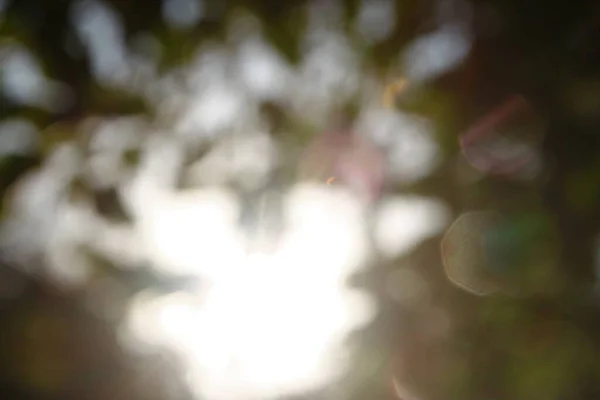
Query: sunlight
x=272, y=324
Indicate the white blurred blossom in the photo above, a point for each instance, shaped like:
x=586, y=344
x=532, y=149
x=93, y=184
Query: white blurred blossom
x=262, y=71
x=100, y=29
x=245, y=158
x=376, y=19
x=265, y=324
x=17, y=136
x=435, y=53
x=182, y=13
x=402, y=222
x=328, y=75
x=23, y=81
x=411, y=150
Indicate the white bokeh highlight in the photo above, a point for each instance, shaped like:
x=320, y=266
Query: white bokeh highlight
x=23, y=81
x=18, y=136
x=267, y=325
x=264, y=324
x=376, y=19
x=402, y=222
x=99, y=28
x=435, y=53
x=411, y=150
x=182, y=13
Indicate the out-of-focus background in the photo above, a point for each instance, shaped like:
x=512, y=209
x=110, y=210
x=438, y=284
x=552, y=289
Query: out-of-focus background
x=327, y=199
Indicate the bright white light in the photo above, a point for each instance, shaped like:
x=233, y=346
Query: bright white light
x=273, y=324
x=193, y=233
x=402, y=222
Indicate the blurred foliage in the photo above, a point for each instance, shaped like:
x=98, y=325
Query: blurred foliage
x=543, y=346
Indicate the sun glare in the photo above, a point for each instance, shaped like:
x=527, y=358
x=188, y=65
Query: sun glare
x=276, y=324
